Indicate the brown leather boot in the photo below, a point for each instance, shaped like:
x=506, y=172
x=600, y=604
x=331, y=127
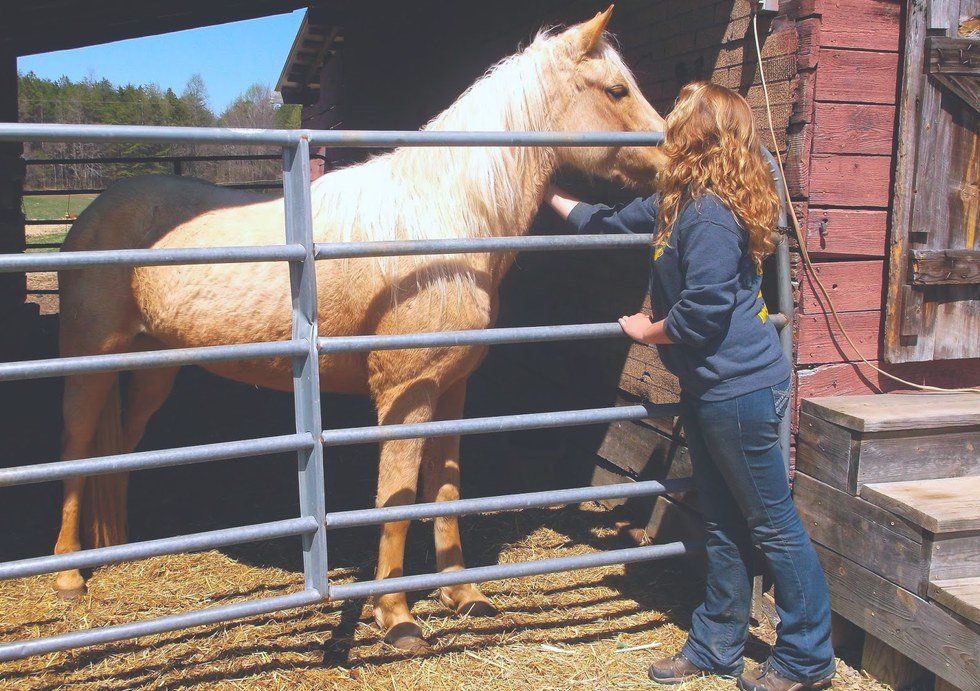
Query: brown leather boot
x=766, y=678
x=674, y=670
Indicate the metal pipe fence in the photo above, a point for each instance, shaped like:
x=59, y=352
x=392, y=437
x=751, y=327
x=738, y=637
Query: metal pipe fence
x=304, y=348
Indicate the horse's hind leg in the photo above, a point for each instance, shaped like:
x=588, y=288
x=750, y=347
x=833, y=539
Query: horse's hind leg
x=440, y=482
x=102, y=511
x=398, y=473
x=84, y=399
x=146, y=393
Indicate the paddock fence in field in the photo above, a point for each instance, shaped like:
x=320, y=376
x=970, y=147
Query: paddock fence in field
x=309, y=440
x=176, y=163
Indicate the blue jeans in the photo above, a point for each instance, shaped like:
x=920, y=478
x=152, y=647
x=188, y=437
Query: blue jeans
x=745, y=500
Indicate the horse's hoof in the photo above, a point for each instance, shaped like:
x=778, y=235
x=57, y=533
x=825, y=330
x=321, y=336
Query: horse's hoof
x=407, y=637
x=477, y=608
x=71, y=593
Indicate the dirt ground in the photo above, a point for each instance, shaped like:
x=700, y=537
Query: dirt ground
x=558, y=631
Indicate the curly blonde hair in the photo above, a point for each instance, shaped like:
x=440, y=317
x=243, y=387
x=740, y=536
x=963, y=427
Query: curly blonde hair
x=712, y=147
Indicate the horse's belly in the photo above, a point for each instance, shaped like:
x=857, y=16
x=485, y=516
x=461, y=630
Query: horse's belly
x=206, y=305
x=344, y=373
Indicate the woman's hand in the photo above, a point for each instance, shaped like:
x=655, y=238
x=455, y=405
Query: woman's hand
x=560, y=200
x=636, y=325
x=640, y=328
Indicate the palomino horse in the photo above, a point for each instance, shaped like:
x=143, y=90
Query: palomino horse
x=568, y=81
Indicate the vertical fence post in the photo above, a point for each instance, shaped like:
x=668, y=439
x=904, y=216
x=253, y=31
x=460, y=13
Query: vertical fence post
x=306, y=371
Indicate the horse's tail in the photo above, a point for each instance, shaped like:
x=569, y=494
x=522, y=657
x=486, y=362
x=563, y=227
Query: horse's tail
x=104, y=500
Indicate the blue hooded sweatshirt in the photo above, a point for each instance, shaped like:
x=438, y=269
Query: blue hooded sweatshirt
x=706, y=286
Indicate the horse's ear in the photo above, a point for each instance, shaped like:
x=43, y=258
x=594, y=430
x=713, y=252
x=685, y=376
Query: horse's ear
x=590, y=32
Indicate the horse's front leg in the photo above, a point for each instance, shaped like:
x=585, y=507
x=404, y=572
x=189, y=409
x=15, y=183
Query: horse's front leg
x=440, y=477
x=398, y=474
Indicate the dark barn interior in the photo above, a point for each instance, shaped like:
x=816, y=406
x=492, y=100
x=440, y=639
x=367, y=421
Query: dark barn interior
x=386, y=65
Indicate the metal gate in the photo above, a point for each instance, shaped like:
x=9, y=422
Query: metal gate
x=300, y=251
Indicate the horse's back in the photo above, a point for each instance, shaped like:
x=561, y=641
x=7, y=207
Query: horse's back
x=137, y=212
x=106, y=304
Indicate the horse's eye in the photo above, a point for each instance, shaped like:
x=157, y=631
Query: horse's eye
x=618, y=91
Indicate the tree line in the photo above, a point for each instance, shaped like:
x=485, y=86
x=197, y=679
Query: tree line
x=93, y=101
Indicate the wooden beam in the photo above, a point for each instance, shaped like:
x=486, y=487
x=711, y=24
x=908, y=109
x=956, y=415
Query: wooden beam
x=955, y=63
x=960, y=595
x=893, y=412
x=918, y=629
x=944, y=505
x=945, y=267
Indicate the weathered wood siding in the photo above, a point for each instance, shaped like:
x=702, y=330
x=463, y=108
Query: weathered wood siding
x=937, y=197
x=847, y=202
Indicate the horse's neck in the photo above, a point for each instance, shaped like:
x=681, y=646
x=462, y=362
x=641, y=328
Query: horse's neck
x=425, y=193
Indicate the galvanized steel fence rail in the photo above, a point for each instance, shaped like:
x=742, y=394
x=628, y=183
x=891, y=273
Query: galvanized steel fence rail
x=301, y=252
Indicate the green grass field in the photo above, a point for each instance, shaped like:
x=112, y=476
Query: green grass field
x=56, y=237
x=56, y=205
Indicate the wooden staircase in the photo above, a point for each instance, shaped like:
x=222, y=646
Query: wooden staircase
x=889, y=488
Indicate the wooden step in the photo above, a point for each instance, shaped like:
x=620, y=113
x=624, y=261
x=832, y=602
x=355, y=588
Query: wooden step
x=959, y=595
x=849, y=441
x=888, y=412
x=944, y=505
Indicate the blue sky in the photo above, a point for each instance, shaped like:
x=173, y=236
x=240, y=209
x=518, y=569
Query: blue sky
x=230, y=58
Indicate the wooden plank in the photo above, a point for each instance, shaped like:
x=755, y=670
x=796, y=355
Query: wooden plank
x=890, y=667
x=644, y=452
x=853, y=128
x=918, y=455
x=955, y=63
x=849, y=181
x=819, y=341
x=945, y=267
x=833, y=233
x=857, y=378
x=937, y=201
x=967, y=87
x=854, y=286
x=857, y=76
x=847, y=460
x=961, y=595
x=940, y=506
x=954, y=555
x=827, y=452
x=908, y=132
x=897, y=411
x=864, y=24
x=864, y=533
x=916, y=628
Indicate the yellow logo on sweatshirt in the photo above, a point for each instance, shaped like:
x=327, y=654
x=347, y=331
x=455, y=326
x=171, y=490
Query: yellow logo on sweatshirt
x=657, y=251
x=764, y=312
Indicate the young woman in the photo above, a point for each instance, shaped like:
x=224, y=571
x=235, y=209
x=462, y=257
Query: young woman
x=712, y=220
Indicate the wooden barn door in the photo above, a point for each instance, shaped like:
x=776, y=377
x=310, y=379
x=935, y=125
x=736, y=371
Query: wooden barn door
x=933, y=308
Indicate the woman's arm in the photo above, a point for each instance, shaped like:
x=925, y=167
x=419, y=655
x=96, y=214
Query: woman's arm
x=641, y=328
x=638, y=216
x=710, y=258
x=560, y=200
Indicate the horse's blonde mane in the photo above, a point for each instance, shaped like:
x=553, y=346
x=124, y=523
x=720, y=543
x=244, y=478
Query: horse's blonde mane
x=416, y=193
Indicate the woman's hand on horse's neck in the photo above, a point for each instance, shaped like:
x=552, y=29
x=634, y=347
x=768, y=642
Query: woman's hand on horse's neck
x=560, y=200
